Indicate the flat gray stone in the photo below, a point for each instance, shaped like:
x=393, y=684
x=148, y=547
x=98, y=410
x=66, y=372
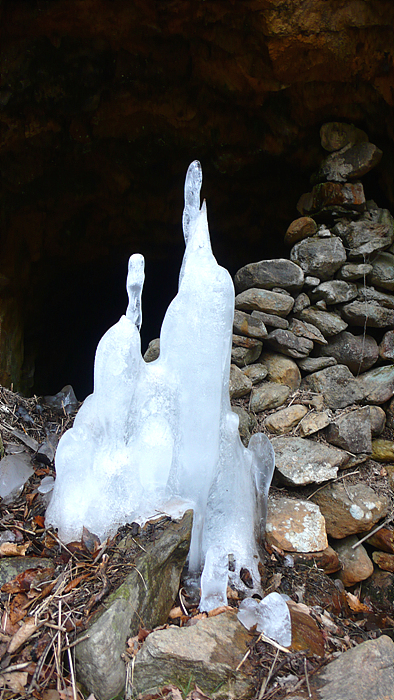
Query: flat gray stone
x=300, y=461
x=371, y=314
x=371, y=294
x=307, y=330
x=271, y=319
x=289, y=344
x=205, y=654
x=256, y=372
x=268, y=395
x=352, y=431
x=320, y=257
x=377, y=417
x=382, y=274
x=301, y=302
x=337, y=384
x=153, y=350
x=145, y=597
x=365, y=672
x=247, y=422
x=377, y=385
x=354, y=271
x=335, y=292
x=386, y=347
x=268, y=274
x=245, y=350
x=314, y=364
x=327, y=322
x=351, y=161
x=245, y=324
x=364, y=236
x=358, y=352
x=264, y=300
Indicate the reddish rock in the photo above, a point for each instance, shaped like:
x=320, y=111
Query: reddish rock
x=330, y=195
x=384, y=560
x=305, y=634
x=327, y=560
x=356, y=564
x=383, y=539
x=350, y=510
x=299, y=229
x=336, y=135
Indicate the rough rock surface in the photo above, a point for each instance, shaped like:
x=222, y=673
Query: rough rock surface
x=295, y=525
x=352, y=431
x=301, y=461
x=205, y=654
x=337, y=384
x=350, y=510
x=145, y=597
x=268, y=274
x=355, y=563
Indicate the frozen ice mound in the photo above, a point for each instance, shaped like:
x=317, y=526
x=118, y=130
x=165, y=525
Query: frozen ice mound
x=271, y=616
x=15, y=470
x=161, y=437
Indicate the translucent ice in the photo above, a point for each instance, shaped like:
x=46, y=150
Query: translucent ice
x=161, y=436
x=270, y=615
x=15, y=470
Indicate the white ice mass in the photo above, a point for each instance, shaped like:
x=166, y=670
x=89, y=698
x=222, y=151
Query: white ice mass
x=161, y=436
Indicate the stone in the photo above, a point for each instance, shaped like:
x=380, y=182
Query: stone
x=377, y=417
x=245, y=324
x=327, y=560
x=350, y=162
x=281, y=369
x=11, y=567
x=371, y=314
x=354, y=271
x=285, y=420
x=383, y=560
x=364, y=236
x=383, y=450
x=327, y=322
x=295, y=525
x=307, y=330
x=264, y=300
x=289, y=344
x=351, y=431
x=305, y=634
x=205, y=654
x=383, y=539
x=365, y=672
x=357, y=352
x=314, y=364
x=300, y=461
x=356, y=564
x=302, y=301
x=299, y=229
x=271, y=319
x=245, y=350
x=371, y=294
x=337, y=384
x=382, y=274
x=311, y=282
x=153, y=350
x=268, y=395
x=350, y=510
x=313, y=422
x=239, y=384
x=246, y=423
x=336, y=135
x=377, y=385
x=319, y=257
x=335, y=292
x=386, y=347
x=144, y=598
x=333, y=197
x=268, y=274
x=256, y=373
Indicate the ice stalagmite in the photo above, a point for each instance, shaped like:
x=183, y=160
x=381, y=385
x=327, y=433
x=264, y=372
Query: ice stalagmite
x=161, y=437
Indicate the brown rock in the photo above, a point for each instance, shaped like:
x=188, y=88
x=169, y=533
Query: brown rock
x=239, y=384
x=329, y=195
x=350, y=510
x=327, y=560
x=305, y=634
x=314, y=421
x=264, y=300
x=384, y=560
x=356, y=564
x=336, y=135
x=268, y=395
x=383, y=450
x=285, y=420
x=281, y=369
x=383, y=539
x=351, y=431
x=299, y=229
x=295, y=525
x=245, y=324
x=386, y=347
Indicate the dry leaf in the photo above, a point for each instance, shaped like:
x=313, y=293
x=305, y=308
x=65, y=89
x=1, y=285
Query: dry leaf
x=16, y=681
x=355, y=604
x=28, y=628
x=11, y=549
x=18, y=607
x=197, y=694
x=26, y=580
x=90, y=541
x=220, y=610
x=75, y=581
x=175, y=612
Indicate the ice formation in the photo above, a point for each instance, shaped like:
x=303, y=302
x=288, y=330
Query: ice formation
x=161, y=436
x=271, y=616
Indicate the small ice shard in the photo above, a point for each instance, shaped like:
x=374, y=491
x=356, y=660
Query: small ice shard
x=161, y=436
x=271, y=616
x=15, y=470
x=46, y=485
x=64, y=400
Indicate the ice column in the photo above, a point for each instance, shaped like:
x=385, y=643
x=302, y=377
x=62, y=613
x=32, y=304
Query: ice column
x=161, y=437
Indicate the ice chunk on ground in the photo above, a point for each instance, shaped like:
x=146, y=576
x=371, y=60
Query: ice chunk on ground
x=271, y=616
x=154, y=436
x=15, y=470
